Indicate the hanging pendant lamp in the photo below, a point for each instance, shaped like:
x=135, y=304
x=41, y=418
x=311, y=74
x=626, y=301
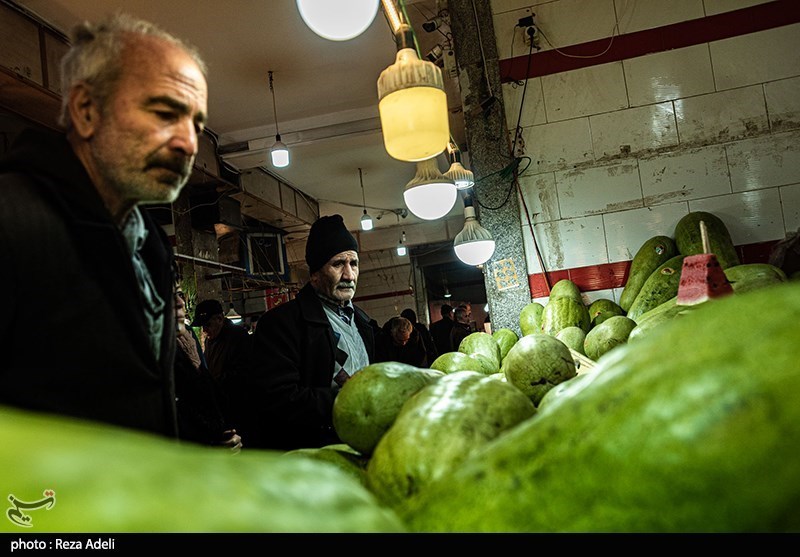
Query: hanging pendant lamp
x=279, y=153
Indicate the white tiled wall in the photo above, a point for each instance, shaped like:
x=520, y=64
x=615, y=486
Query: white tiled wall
x=639, y=129
x=783, y=100
x=670, y=75
x=790, y=203
x=599, y=189
x=382, y=281
x=720, y=6
x=637, y=15
x=757, y=57
x=723, y=116
x=685, y=175
x=584, y=92
x=764, y=162
x=621, y=151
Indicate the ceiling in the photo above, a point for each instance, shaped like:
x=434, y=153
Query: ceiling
x=325, y=91
x=326, y=101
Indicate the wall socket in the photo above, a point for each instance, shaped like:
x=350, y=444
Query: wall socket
x=530, y=34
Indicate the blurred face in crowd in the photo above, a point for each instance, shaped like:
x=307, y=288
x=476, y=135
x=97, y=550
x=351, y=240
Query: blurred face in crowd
x=214, y=325
x=141, y=143
x=180, y=310
x=401, y=336
x=338, y=277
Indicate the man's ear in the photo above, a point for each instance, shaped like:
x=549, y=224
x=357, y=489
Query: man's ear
x=83, y=110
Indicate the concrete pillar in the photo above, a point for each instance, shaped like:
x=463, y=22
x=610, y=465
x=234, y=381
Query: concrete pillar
x=495, y=196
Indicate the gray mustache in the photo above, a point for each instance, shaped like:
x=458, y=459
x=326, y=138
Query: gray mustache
x=178, y=165
x=346, y=285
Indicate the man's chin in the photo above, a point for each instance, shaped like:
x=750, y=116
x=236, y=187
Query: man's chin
x=344, y=294
x=164, y=191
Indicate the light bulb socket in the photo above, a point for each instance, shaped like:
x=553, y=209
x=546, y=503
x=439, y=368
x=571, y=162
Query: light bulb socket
x=463, y=178
x=404, y=37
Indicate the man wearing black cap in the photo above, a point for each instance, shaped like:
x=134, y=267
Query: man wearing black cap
x=227, y=352
x=306, y=349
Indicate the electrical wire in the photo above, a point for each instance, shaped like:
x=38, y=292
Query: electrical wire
x=614, y=31
x=483, y=54
x=514, y=167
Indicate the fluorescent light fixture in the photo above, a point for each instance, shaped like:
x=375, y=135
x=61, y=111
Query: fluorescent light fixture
x=474, y=245
x=430, y=194
x=339, y=20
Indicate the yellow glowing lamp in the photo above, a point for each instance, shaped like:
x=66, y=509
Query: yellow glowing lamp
x=413, y=105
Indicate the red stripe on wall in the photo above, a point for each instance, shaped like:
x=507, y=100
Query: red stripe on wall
x=678, y=35
x=587, y=279
x=408, y=292
x=615, y=275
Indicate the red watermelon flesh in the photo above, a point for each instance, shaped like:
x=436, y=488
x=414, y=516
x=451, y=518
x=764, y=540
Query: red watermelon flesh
x=702, y=278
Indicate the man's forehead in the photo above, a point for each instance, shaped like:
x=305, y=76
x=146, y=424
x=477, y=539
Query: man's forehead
x=344, y=256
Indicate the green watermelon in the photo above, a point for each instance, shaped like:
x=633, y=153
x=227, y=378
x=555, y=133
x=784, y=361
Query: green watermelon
x=440, y=427
x=688, y=238
x=369, y=401
x=530, y=318
x=694, y=428
x=537, y=363
x=482, y=344
x=506, y=338
x=109, y=479
x=566, y=288
x=563, y=312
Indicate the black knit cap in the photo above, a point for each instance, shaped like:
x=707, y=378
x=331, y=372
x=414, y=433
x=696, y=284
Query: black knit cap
x=328, y=237
x=204, y=311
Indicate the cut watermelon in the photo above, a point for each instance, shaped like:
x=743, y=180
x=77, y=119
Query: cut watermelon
x=702, y=278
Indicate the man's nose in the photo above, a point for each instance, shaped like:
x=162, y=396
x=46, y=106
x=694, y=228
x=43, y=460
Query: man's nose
x=348, y=272
x=185, y=137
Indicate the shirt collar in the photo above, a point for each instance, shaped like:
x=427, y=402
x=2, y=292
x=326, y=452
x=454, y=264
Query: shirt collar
x=347, y=309
x=134, y=231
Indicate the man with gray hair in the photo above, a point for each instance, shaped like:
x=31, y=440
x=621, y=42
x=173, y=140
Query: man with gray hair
x=90, y=331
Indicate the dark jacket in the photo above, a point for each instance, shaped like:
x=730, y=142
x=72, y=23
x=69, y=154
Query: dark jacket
x=412, y=353
x=289, y=399
x=200, y=416
x=228, y=357
x=73, y=336
x=459, y=332
x=440, y=331
x=431, y=352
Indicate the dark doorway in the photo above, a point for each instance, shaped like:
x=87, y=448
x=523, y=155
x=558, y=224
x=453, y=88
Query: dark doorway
x=444, y=273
